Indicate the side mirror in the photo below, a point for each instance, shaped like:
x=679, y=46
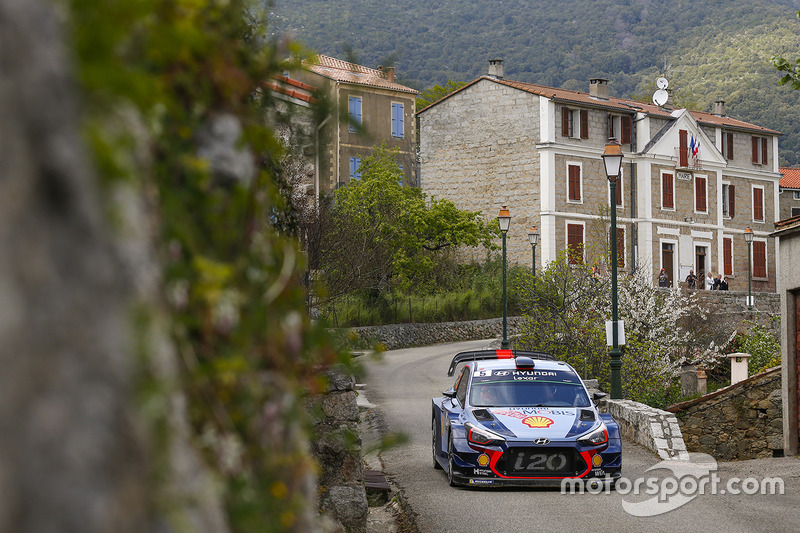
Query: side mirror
x=597, y=396
x=450, y=393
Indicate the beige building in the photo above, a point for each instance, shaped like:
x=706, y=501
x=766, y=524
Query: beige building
x=367, y=107
x=691, y=182
x=790, y=192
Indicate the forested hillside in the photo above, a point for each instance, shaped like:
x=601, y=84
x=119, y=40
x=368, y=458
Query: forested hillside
x=709, y=50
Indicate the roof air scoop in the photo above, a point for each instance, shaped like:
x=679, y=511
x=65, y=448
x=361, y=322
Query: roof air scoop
x=524, y=363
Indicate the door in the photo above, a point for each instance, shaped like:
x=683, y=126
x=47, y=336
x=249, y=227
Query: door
x=667, y=255
x=700, y=261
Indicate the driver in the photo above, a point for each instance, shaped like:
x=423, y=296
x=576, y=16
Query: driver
x=488, y=396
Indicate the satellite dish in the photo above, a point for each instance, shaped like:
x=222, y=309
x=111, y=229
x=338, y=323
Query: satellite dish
x=662, y=83
x=660, y=97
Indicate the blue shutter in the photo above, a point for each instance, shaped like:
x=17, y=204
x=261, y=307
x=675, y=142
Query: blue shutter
x=355, y=112
x=397, y=120
x=355, y=162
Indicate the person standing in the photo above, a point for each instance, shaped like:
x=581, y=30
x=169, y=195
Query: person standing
x=717, y=282
x=723, y=284
x=691, y=280
x=663, y=280
x=709, y=281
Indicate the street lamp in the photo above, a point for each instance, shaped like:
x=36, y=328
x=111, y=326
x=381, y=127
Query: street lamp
x=612, y=159
x=504, y=219
x=748, y=236
x=533, y=237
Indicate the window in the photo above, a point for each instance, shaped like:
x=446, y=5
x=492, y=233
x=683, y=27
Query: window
x=461, y=388
x=621, y=247
x=759, y=259
x=667, y=191
x=758, y=204
x=727, y=145
x=575, y=244
x=355, y=113
x=574, y=185
x=728, y=200
x=618, y=191
x=620, y=128
x=795, y=211
x=759, y=150
x=796, y=195
x=700, y=194
x=683, y=148
x=727, y=255
x=397, y=120
x=568, y=126
x=355, y=162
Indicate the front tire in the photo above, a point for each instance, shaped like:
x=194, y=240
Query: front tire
x=451, y=479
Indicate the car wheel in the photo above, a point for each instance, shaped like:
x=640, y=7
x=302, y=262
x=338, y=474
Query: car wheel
x=436, y=464
x=451, y=479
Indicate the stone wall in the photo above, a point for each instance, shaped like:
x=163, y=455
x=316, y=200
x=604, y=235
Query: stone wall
x=742, y=421
x=395, y=336
x=653, y=428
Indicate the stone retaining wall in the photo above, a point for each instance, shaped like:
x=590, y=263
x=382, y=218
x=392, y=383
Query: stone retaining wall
x=653, y=428
x=742, y=421
x=395, y=336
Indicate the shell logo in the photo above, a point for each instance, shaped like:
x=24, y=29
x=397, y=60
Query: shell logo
x=537, y=422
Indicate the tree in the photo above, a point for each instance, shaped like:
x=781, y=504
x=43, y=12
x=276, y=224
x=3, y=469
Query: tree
x=792, y=69
x=437, y=92
x=377, y=233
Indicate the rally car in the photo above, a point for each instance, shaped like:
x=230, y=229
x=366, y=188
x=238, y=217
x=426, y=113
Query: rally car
x=521, y=418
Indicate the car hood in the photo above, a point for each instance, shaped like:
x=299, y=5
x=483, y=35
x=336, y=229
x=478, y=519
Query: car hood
x=549, y=422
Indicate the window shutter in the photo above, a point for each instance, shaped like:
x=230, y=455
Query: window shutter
x=758, y=204
x=759, y=259
x=564, y=122
x=731, y=200
x=729, y=142
x=584, y=123
x=610, y=125
x=627, y=129
x=727, y=252
x=755, y=149
x=621, y=247
x=683, y=148
x=575, y=243
x=618, y=191
x=764, y=150
x=700, y=194
x=574, y=182
x=666, y=193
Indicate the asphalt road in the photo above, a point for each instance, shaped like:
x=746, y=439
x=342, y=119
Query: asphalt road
x=402, y=385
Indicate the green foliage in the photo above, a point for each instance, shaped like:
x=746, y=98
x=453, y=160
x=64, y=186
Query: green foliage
x=153, y=73
x=762, y=345
x=437, y=92
x=792, y=75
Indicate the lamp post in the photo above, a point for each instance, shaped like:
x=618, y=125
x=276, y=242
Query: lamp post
x=748, y=236
x=533, y=237
x=612, y=159
x=504, y=219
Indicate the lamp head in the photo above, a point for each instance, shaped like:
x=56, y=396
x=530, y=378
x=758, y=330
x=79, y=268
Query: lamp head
x=533, y=236
x=748, y=234
x=504, y=218
x=612, y=159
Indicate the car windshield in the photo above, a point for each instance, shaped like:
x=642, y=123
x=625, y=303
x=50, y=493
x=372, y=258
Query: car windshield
x=528, y=394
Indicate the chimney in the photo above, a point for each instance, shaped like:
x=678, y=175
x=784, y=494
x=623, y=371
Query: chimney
x=496, y=68
x=719, y=108
x=670, y=104
x=390, y=73
x=598, y=88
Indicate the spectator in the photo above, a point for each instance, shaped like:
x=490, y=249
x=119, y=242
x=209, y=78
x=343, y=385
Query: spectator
x=709, y=281
x=723, y=284
x=663, y=280
x=717, y=282
x=691, y=280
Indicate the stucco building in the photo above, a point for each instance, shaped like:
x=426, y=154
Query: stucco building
x=790, y=192
x=691, y=181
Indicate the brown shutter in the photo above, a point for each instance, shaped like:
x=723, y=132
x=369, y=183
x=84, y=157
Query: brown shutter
x=575, y=243
x=731, y=200
x=627, y=128
x=755, y=149
x=683, y=149
x=729, y=142
x=618, y=191
x=758, y=204
x=610, y=126
x=574, y=182
x=727, y=253
x=621, y=247
x=700, y=194
x=564, y=122
x=584, y=123
x=764, y=150
x=759, y=259
x=666, y=193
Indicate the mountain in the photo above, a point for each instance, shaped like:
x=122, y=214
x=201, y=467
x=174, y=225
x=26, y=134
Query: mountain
x=708, y=50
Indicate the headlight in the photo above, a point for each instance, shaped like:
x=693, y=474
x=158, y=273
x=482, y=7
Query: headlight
x=595, y=438
x=481, y=437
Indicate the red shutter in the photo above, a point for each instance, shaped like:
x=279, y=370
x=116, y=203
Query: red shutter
x=700, y=194
x=584, y=123
x=727, y=253
x=729, y=142
x=759, y=259
x=627, y=128
x=666, y=192
x=731, y=200
x=758, y=204
x=610, y=126
x=755, y=149
x=618, y=191
x=575, y=244
x=574, y=182
x=621, y=247
x=564, y=122
x=683, y=149
x=764, y=150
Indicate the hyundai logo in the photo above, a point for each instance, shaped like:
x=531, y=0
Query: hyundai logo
x=541, y=442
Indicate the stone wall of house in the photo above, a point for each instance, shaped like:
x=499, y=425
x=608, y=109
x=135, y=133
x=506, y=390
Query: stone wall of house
x=742, y=421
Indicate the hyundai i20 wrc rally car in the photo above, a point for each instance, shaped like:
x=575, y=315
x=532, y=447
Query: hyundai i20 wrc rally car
x=521, y=418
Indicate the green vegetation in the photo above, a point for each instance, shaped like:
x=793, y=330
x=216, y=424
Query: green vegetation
x=762, y=345
x=792, y=75
x=708, y=51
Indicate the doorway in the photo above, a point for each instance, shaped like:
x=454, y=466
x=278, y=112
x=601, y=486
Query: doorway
x=700, y=262
x=667, y=258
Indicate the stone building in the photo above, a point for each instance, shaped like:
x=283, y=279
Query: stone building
x=691, y=181
x=789, y=192
x=366, y=107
